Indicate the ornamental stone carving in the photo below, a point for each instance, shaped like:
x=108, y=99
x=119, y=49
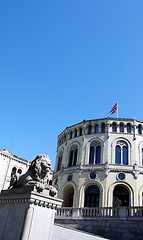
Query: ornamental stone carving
x=38, y=175
x=122, y=143
x=95, y=143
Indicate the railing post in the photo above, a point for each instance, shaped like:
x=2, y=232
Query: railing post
x=123, y=213
x=75, y=213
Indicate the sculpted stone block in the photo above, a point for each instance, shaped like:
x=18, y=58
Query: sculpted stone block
x=26, y=214
x=27, y=208
x=39, y=175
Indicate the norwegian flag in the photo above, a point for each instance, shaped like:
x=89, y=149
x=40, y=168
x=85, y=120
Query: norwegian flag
x=114, y=109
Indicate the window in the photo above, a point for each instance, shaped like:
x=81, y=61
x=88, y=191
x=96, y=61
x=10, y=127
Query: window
x=73, y=155
x=16, y=171
x=121, y=176
x=69, y=178
x=19, y=171
x=98, y=153
x=114, y=127
x=103, y=127
x=92, y=196
x=121, y=153
x=60, y=161
x=15, y=174
x=118, y=155
x=139, y=129
x=65, y=138
x=120, y=196
x=96, y=128
x=89, y=129
x=121, y=127
x=95, y=153
x=128, y=128
x=91, y=157
x=92, y=175
x=142, y=156
x=70, y=135
x=80, y=131
x=59, y=142
x=125, y=155
x=68, y=196
x=75, y=133
x=13, y=171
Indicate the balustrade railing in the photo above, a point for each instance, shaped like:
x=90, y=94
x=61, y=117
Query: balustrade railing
x=100, y=212
x=64, y=212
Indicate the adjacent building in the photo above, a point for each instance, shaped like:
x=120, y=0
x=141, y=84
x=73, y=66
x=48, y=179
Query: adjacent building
x=10, y=164
x=100, y=163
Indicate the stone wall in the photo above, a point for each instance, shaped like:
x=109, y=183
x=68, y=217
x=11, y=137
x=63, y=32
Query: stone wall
x=111, y=229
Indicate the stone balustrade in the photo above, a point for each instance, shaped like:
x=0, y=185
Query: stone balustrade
x=121, y=213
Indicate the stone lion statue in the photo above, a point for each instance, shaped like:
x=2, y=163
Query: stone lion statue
x=39, y=175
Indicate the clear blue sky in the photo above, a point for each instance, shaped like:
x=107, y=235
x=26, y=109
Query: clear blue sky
x=65, y=61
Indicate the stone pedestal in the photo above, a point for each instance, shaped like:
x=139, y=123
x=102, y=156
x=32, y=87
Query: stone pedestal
x=26, y=214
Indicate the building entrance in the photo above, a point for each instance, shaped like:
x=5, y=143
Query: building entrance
x=92, y=197
x=120, y=196
x=68, y=196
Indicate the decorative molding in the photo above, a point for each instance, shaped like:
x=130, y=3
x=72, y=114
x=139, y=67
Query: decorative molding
x=122, y=143
x=34, y=201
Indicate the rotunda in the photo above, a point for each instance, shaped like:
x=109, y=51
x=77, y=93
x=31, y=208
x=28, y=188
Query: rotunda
x=100, y=163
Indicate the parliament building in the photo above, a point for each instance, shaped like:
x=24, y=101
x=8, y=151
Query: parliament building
x=100, y=163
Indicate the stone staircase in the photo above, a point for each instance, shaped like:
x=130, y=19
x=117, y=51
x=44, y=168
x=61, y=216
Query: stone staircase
x=64, y=233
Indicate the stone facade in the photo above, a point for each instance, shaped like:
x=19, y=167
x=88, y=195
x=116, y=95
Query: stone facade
x=100, y=163
x=9, y=165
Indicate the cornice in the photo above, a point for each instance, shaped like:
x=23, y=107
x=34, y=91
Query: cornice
x=31, y=197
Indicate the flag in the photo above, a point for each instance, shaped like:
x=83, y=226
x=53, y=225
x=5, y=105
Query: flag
x=114, y=109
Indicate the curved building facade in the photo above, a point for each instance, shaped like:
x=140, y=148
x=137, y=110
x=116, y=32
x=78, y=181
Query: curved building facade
x=100, y=163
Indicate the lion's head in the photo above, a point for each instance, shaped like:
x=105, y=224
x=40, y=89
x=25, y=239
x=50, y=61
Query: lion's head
x=41, y=166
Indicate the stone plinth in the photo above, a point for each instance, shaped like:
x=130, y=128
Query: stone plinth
x=26, y=214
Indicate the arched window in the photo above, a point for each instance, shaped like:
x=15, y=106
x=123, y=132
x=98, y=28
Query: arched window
x=75, y=133
x=120, y=196
x=121, y=153
x=89, y=129
x=80, y=131
x=70, y=135
x=125, y=155
x=95, y=153
x=96, y=128
x=73, y=155
x=19, y=171
x=60, y=161
x=103, y=127
x=59, y=142
x=68, y=196
x=139, y=129
x=92, y=196
x=118, y=155
x=65, y=137
x=62, y=140
x=142, y=156
x=128, y=128
x=114, y=127
x=13, y=171
x=98, y=154
x=92, y=153
x=121, y=127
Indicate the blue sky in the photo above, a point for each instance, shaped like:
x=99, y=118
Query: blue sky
x=65, y=61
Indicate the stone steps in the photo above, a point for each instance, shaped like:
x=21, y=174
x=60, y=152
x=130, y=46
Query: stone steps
x=64, y=233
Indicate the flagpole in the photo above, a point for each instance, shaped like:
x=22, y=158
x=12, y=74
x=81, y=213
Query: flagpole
x=117, y=109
